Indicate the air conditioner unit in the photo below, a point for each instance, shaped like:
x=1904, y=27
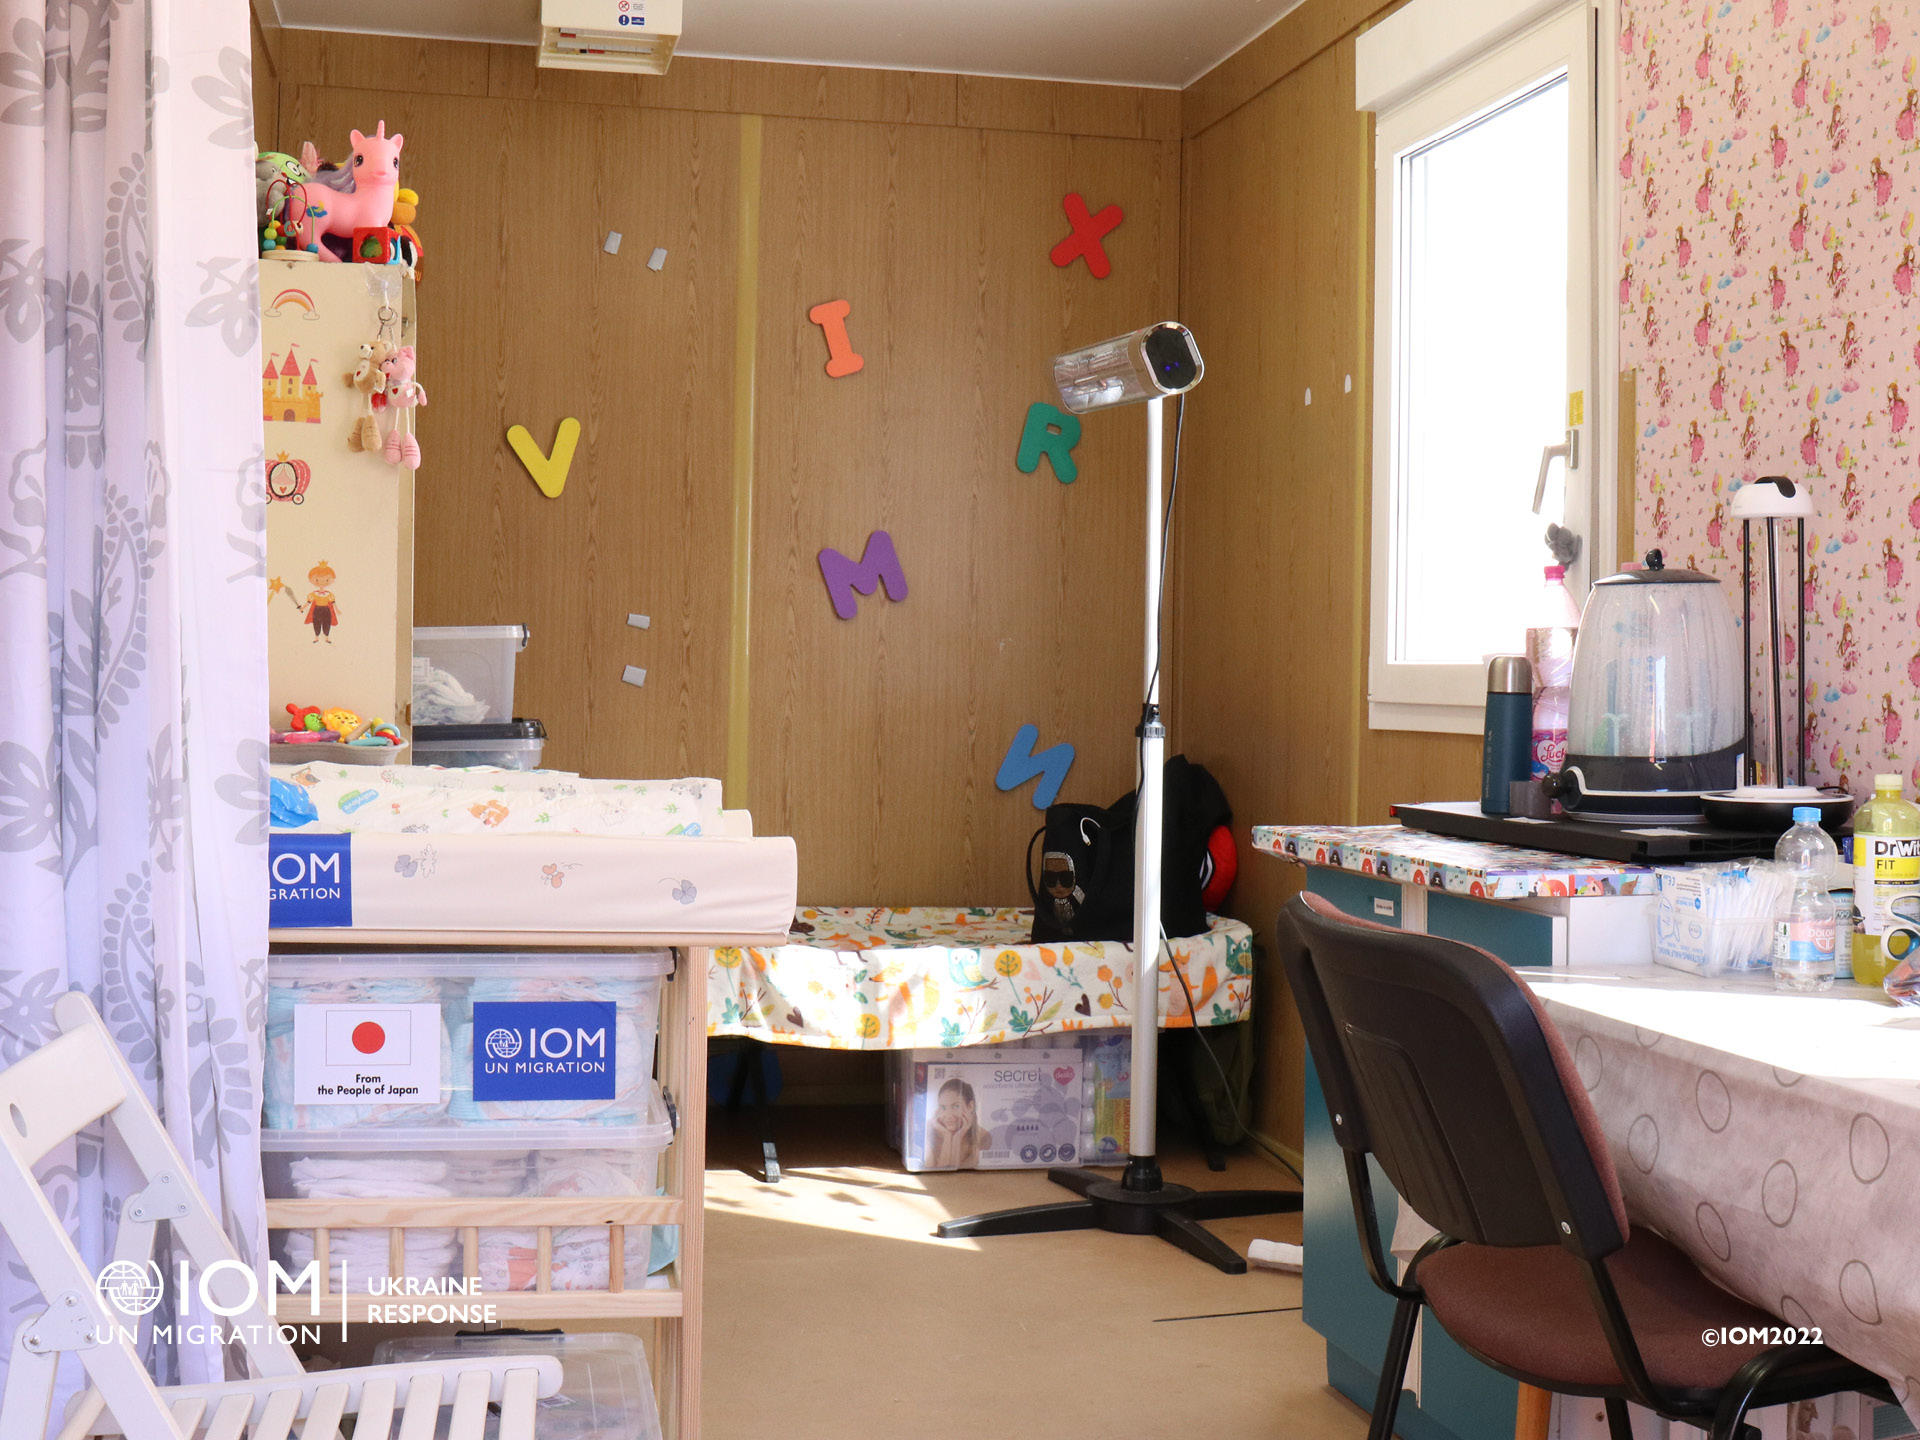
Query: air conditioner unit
x=636, y=36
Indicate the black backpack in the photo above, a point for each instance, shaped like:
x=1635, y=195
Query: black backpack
x=1084, y=889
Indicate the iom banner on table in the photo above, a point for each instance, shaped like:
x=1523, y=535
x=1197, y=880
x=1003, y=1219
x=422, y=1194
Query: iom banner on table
x=543, y=1050
x=310, y=879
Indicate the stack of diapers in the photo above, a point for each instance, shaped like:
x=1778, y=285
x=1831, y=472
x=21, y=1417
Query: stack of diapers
x=379, y=996
x=510, y=1259
x=357, y=1257
x=438, y=1164
x=572, y=1038
x=428, y=800
x=512, y=1076
x=636, y=1022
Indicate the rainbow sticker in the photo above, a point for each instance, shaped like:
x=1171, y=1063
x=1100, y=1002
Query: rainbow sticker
x=297, y=299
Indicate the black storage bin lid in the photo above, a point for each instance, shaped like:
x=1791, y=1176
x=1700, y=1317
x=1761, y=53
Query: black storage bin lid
x=479, y=735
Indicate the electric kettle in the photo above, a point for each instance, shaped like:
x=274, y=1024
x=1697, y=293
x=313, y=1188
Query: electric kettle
x=1656, y=711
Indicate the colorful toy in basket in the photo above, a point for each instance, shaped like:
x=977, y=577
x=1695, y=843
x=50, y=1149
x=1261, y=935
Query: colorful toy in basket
x=378, y=732
x=306, y=717
x=406, y=207
x=362, y=190
x=285, y=209
x=269, y=166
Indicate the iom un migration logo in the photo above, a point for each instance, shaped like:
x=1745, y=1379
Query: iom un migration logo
x=503, y=1044
x=131, y=1289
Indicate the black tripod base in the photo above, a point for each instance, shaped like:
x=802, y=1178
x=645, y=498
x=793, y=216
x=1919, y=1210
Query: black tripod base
x=1173, y=1212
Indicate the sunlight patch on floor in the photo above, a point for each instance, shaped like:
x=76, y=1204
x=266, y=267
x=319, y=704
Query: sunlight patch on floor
x=853, y=1199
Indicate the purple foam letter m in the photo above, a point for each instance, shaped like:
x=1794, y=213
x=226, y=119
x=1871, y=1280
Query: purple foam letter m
x=878, y=565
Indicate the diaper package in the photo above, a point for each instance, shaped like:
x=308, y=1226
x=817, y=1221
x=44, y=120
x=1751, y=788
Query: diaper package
x=418, y=1040
x=492, y=1162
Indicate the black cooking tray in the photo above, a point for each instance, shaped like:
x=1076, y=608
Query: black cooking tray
x=1649, y=844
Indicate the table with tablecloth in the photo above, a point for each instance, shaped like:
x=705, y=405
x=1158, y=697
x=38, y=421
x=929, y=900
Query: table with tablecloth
x=887, y=979
x=1773, y=1137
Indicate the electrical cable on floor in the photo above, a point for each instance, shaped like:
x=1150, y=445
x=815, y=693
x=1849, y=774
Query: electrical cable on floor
x=1226, y=1086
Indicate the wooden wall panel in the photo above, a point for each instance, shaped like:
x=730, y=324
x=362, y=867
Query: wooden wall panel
x=1274, y=534
x=736, y=87
x=1399, y=766
x=876, y=740
x=1269, y=666
x=395, y=63
x=998, y=102
x=527, y=321
x=266, y=86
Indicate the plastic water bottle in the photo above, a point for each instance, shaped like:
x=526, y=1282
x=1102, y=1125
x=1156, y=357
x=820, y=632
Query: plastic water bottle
x=1550, y=731
x=1552, y=622
x=1804, y=938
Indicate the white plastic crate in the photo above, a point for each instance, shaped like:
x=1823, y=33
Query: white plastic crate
x=606, y=1390
x=478, y=661
x=420, y=1039
x=505, y=1163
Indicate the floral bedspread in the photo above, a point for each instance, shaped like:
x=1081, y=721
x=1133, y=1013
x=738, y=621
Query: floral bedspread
x=905, y=979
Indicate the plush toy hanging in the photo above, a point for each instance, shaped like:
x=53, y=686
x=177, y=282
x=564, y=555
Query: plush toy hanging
x=404, y=394
x=370, y=380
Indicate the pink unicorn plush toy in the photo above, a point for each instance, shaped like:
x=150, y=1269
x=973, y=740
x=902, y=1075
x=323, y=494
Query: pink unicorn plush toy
x=374, y=172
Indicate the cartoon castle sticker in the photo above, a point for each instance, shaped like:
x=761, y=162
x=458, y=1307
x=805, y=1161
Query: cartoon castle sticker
x=287, y=394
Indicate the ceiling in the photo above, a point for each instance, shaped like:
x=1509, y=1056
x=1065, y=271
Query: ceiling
x=1167, y=43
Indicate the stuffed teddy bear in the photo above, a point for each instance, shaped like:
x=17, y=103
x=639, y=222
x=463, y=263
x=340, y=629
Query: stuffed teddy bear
x=370, y=380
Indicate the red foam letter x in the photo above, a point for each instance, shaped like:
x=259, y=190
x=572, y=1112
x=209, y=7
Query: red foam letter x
x=1085, y=239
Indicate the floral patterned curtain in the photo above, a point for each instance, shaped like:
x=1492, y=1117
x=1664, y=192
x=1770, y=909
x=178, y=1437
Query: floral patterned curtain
x=132, y=586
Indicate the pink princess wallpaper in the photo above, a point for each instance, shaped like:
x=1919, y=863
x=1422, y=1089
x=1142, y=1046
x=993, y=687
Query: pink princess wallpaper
x=1766, y=150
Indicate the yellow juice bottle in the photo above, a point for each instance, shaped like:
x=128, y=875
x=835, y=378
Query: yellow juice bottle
x=1886, y=881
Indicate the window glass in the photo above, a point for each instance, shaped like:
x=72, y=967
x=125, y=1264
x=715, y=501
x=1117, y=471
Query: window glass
x=1482, y=375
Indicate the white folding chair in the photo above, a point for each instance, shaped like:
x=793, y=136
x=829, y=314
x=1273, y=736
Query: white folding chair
x=54, y=1093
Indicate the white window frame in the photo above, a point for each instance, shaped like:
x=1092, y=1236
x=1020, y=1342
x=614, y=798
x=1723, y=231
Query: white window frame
x=1431, y=67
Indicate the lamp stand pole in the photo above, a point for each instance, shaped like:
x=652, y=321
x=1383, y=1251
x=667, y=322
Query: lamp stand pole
x=1143, y=1165
x=1141, y=1202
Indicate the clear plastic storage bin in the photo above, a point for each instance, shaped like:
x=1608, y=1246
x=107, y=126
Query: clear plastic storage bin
x=425, y=1039
x=511, y=745
x=606, y=1389
x=463, y=674
x=502, y=1162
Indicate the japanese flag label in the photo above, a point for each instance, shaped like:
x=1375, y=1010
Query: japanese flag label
x=366, y=1054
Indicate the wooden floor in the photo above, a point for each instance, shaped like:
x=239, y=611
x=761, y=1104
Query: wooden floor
x=834, y=1314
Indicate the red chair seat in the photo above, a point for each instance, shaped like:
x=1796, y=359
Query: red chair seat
x=1529, y=1310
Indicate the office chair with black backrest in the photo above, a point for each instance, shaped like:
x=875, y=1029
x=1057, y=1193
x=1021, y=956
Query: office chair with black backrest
x=1438, y=1060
